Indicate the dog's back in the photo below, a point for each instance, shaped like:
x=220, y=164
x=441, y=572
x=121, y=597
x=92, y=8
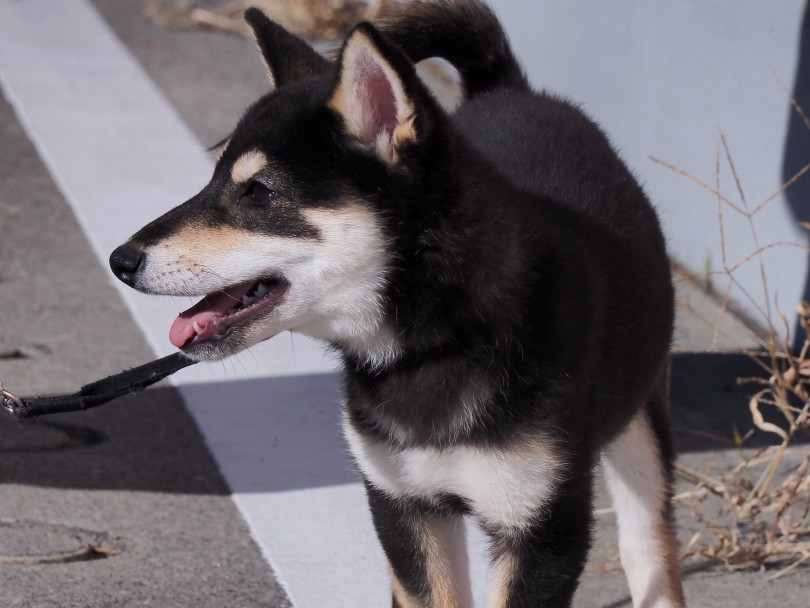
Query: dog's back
x=603, y=306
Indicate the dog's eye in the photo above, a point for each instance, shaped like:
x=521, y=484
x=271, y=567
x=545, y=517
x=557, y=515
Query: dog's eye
x=256, y=193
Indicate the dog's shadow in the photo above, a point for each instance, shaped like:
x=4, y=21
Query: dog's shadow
x=271, y=434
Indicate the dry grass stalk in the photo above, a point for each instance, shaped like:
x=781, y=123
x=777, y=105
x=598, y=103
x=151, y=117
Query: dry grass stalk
x=310, y=19
x=761, y=506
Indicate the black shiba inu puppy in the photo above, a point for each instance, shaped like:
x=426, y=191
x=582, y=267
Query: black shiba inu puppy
x=495, y=280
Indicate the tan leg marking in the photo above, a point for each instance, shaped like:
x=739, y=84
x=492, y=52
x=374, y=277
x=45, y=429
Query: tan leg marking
x=503, y=573
x=401, y=597
x=648, y=548
x=443, y=592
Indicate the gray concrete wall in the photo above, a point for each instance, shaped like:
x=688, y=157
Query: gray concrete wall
x=666, y=79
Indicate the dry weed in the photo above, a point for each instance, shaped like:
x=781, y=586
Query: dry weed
x=310, y=19
x=757, y=513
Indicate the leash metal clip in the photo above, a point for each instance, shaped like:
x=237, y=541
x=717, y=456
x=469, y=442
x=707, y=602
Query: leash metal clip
x=11, y=402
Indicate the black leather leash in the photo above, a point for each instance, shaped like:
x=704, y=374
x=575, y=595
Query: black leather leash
x=96, y=393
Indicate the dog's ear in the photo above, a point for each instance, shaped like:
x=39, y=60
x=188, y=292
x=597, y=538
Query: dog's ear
x=288, y=57
x=378, y=94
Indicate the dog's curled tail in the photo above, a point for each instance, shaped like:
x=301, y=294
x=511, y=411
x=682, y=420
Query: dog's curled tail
x=464, y=32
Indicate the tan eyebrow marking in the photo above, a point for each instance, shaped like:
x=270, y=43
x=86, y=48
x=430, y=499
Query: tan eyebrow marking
x=248, y=165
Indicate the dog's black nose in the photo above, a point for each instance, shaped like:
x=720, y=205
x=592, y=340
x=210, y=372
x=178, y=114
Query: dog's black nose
x=125, y=261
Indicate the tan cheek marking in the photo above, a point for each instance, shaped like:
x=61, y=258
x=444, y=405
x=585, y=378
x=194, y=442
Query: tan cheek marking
x=194, y=246
x=197, y=240
x=352, y=219
x=248, y=165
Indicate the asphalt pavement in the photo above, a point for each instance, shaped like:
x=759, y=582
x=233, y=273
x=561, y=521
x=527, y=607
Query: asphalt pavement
x=141, y=503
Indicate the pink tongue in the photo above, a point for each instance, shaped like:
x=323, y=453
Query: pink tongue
x=182, y=330
x=210, y=307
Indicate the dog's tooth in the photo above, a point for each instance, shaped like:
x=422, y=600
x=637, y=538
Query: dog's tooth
x=261, y=291
x=197, y=327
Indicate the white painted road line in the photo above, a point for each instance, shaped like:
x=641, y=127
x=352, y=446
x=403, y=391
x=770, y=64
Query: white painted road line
x=122, y=156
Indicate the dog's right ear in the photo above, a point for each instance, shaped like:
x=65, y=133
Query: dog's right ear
x=379, y=97
x=288, y=57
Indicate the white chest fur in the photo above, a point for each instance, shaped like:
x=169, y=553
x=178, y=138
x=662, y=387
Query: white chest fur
x=504, y=486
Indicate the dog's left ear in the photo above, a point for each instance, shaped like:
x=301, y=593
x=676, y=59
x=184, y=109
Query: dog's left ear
x=288, y=57
x=378, y=95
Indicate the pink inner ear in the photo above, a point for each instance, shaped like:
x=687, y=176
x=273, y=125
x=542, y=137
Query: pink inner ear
x=377, y=100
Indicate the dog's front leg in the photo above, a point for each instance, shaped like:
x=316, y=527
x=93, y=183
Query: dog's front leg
x=539, y=563
x=414, y=537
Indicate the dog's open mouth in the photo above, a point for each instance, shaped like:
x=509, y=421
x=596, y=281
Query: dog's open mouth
x=213, y=317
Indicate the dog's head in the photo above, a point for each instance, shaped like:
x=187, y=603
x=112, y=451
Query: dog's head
x=290, y=233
